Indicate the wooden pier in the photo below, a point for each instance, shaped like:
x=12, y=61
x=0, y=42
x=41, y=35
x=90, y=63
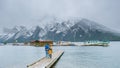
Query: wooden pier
x=46, y=62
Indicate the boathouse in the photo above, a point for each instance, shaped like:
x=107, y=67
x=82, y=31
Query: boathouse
x=41, y=43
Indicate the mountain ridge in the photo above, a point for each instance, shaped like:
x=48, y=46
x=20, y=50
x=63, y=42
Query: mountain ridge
x=68, y=30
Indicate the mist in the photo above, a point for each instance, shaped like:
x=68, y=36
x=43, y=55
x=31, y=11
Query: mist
x=30, y=12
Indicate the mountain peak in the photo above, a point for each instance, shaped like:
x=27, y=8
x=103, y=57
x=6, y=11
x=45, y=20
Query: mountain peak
x=73, y=29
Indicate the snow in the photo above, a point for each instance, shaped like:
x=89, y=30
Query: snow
x=58, y=25
x=7, y=36
x=58, y=32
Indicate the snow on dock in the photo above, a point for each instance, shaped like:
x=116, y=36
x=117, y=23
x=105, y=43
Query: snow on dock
x=46, y=62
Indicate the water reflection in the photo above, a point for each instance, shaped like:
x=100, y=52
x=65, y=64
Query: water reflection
x=74, y=56
x=90, y=57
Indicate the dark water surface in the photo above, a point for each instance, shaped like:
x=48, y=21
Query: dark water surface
x=74, y=56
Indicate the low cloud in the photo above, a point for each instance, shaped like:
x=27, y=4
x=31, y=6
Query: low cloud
x=29, y=12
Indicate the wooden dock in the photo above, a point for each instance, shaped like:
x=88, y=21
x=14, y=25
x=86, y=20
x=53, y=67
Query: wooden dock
x=46, y=62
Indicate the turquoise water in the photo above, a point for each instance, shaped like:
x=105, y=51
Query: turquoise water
x=74, y=56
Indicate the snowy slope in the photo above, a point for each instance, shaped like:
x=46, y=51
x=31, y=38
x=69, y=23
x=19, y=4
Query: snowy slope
x=73, y=29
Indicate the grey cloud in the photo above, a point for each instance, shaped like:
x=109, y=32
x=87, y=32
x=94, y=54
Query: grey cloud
x=29, y=12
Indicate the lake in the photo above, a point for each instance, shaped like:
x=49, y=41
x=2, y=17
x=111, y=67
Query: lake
x=74, y=56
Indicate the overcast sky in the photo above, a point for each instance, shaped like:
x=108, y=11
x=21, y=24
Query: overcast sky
x=29, y=12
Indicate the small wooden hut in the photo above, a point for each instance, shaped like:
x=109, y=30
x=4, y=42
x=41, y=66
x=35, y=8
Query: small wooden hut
x=41, y=43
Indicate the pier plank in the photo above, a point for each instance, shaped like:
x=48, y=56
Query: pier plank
x=46, y=62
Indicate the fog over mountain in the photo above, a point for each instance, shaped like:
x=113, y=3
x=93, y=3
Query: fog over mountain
x=76, y=29
x=33, y=12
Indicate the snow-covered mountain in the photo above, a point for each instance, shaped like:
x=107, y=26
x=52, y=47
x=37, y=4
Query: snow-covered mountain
x=66, y=30
x=81, y=30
